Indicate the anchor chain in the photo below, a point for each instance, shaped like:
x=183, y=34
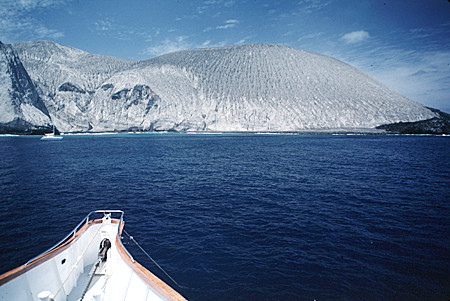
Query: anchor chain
x=105, y=245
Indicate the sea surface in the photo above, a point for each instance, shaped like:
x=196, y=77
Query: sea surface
x=246, y=216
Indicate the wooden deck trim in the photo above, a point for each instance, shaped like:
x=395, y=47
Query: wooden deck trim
x=153, y=281
x=8, y=276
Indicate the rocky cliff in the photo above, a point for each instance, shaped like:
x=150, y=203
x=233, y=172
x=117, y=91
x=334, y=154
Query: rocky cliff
x=21, y=108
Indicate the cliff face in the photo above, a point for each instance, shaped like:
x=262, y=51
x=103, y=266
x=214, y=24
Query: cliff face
x=67, y=79
x=238, y=88
x=21, y=108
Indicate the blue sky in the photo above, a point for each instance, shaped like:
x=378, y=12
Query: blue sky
x=403, y=43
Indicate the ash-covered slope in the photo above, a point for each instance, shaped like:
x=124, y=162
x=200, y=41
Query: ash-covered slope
x=21, y=109
x=238, y=88
x=272, y=88
x=67, y=79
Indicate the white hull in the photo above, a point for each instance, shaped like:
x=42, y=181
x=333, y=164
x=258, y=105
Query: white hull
x=51, y=137
x=62, y=273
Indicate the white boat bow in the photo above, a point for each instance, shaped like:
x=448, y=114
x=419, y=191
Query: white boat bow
x=90, y=263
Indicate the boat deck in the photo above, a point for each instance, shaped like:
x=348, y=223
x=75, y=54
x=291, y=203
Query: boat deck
x=77, y=291
x=63, y=272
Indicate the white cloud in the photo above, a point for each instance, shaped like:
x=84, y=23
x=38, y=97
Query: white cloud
x=309, y=6
x=103, y=25
x=18, y=20
x=229, y=3
x=310, y=36
x=44, y=32
x=208, y=44
x=216, y=5
x=355, y=37
x=228, y=24
x=124, y=32
x=179, y=43
x=243, y=41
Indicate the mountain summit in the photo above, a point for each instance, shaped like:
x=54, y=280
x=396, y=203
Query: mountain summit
x=238, y=88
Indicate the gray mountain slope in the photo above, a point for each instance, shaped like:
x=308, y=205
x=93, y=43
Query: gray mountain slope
x=66, y=79
x=238, y=88
x=21, y=108
x=277, y=88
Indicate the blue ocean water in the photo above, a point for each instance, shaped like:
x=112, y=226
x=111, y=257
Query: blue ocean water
x=246, y=217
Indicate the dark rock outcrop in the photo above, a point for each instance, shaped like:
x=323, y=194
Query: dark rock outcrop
x=69, y=87
x=437, y=126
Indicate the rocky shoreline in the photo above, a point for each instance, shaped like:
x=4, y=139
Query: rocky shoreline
x=436, y=126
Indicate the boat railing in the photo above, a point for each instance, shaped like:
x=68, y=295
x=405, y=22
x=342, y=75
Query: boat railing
x=83, y=222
